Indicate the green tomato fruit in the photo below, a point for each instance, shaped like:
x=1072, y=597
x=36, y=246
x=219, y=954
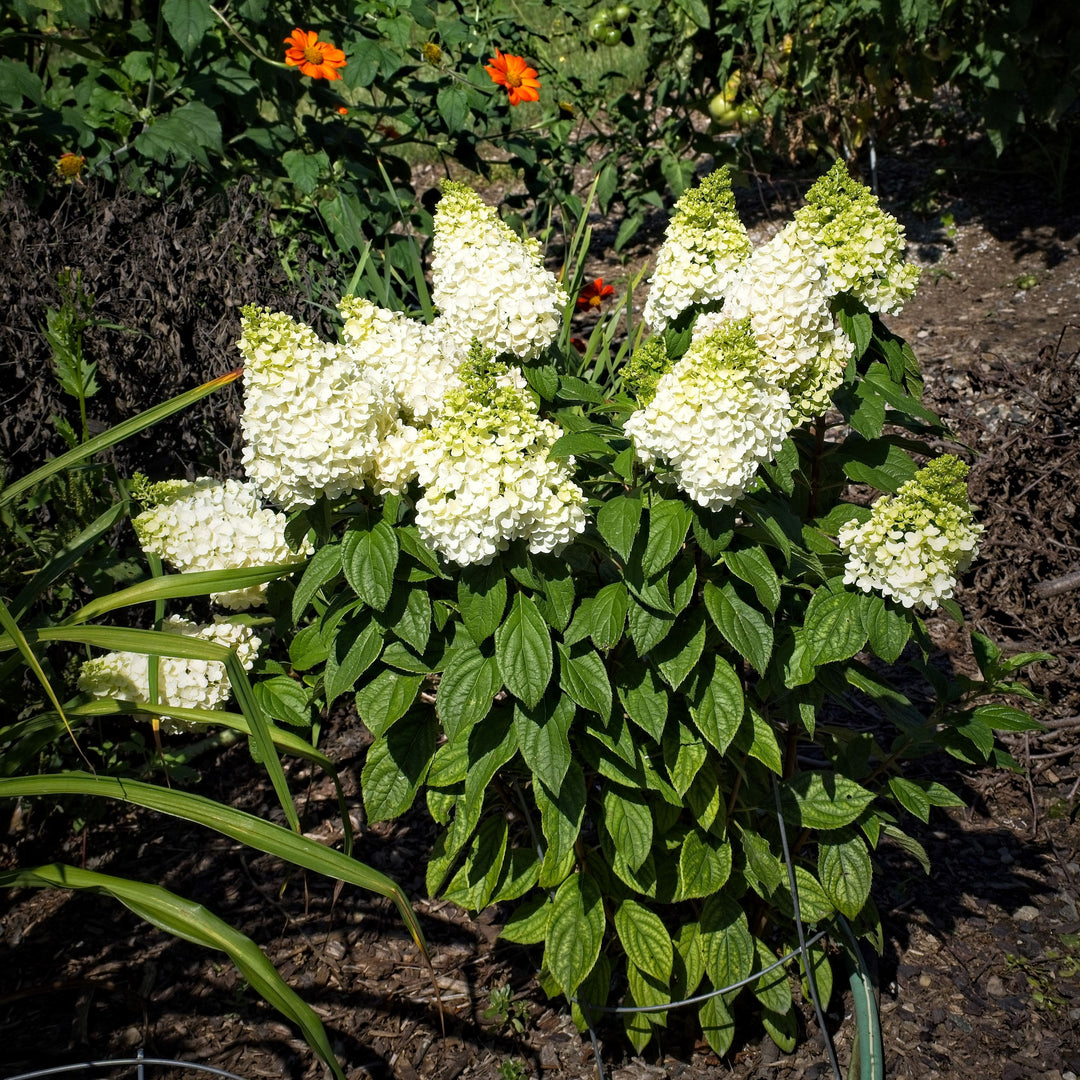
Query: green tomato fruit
x=598, y=28
x=612, y=36
x=621, y=13
x=749, y=114
x=722, y=112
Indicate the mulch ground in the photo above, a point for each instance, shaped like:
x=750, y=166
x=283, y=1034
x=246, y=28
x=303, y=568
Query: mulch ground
x=981, y=971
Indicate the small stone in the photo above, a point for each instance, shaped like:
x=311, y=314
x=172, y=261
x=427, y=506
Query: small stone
x=995, y=987
x=132, y=1036
x=925, y=980
x=1027, y=913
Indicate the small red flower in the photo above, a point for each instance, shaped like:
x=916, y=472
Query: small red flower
x=343, y=110
x=594, y=294
x=313, y=57
x=512, y=72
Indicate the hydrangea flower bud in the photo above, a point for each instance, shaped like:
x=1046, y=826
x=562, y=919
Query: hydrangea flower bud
x=704, y=245
x=312, y=421
x=486, y=473
x=488, y=283
x=211, y=524
x=712, y=420
x=187, y=684
x=861, y=244
x=916, y=542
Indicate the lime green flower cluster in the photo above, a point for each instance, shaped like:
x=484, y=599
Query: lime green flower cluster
x=861, y=244
x=703, y=248
x=917, y=541
x=647, y=364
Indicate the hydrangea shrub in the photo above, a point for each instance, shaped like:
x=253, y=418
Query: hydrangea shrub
x=602, y=626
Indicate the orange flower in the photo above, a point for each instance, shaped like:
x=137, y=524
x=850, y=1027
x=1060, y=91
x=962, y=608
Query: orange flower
x=512, y=72
x=342, y=110
x=70, y=165
x=594, y=294
x=316, y=58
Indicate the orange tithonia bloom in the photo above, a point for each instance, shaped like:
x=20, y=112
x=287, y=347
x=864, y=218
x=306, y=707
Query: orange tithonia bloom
x=313, y=57
x=70, y=165
x=594, y=294
x=512, y=72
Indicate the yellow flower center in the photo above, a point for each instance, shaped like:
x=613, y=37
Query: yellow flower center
x=313, y=54
x=513, y=79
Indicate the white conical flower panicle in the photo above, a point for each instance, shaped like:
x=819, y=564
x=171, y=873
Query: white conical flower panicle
x=703, y=247
x=712, y=421
x=187, y=684
x=917, y=541
x=210, y=524
x=486, y=474
x=861, y=244
x=312, y=421
x=488, y=284
x=783, y=290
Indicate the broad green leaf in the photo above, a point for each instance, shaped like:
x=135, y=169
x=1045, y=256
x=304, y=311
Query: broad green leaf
x=618, y=521
x=907, y=844
x=188, y=21
x=584, y=678
x=453, y=105
x=191, y=922
x=601, y=617
x=888, y=629
x=713, y=530
x=357, y=644
x=833, y=626
x=845, y=870
x=481, y=595
x=753, y=566
x=689, y=960
x=762, y=866
x=386, y=699
x=1004, y=718
x=704, y=865
x=408, y=615
x=684, y=752
x=644, y=990
x=528, y=925
x=643, y=696
x=521, y=872
x=744, y=628
x=726, y=941
x=880, y=464
x=717, y=702
x=595, y=990
x=575, y=931
x=717, y=1025
x=645, y=939
x=543, y=737
x=306, y=169
x=773, y=989
x=757, y=738
x=284, y=699
x=669, y=520
x=911, y=797
x=814, y=904
x=628, y=821
x=523, y=651
x=823, y=975
x=396, y=765
x=823, y=800
x=557, y=581
x=677, y=655
x=560, y=821
x=473, y=885
x=369, y=558
x=466, y=690
x=307, y=649
x=647, y=628
x=782, y=1028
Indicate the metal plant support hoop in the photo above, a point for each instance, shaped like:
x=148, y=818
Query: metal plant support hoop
x=868, y=1041
x=140, y=1062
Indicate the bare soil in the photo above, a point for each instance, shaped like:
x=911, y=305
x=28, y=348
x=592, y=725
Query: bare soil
x=981, y=971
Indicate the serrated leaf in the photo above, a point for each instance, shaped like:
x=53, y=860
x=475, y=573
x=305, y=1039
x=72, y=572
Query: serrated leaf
x=669, y=520
x=188, y=21
x=689, y=968
x=307, y=649
x=575, y=931
x=887, y=628
x=523, y=651
x=396, y=766
x=284, y=699
x=752, y=565
x=822, y=971
x=684, y=752
x=677, y=655
x=845, y=870
x=744, y=627
x=628, y=821
x=323, y=567
x=543, y=737
x=907, y=844
x=618, y=521
x=561, y=815
x=647, y=628
x=772, y=989
x=717, y=702
x=453, y=105
x=408, y=615
x=1005, y=718
x=466, y=690
x=643, y=991
x=833, y=627
x=761, y=864
x=726, y=941
x=823, y=800
x=643, y=697
x=369, y=558
x=474, y=884
x=757, y=738
x=717, y=1025
x=713, y=530
x=481, y=595
x=557, y=581
x=782, y=1028
x=528, y=925
x=911, y=797
x=356, y=647
x=386, y=699
x=880, y=464
x=704, y=865
x=585, y=679
x=646, y=941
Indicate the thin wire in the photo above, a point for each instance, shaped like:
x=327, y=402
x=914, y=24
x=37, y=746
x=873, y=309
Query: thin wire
x=804, y=948
x=139, y=1061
